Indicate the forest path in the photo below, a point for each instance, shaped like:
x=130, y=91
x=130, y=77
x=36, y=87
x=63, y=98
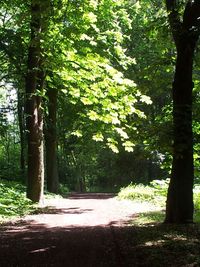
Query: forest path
x=80, y=231
x=87, y=210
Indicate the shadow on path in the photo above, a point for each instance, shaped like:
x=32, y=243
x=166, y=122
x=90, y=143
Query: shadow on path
x=91, y=195
x=61, y=211
x=37, y=245
x=30, y=243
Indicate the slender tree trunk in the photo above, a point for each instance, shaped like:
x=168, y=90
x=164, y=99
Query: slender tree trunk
x=20, y=111
x=51, y=142
x=34, y=116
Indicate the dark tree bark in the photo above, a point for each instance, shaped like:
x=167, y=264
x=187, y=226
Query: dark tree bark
x=51, y=142
x=179, y=208
x=34, y=116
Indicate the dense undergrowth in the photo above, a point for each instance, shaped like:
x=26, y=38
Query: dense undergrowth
x=154, y=195
x=13, y=201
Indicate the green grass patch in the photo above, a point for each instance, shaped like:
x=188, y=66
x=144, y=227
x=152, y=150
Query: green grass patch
x=154, y=193
x=14, y=203
x=155, y=196
x=151, y=217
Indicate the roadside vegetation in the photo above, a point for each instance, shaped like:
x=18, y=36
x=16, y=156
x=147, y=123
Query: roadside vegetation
x=154, y=242
x=14, y=203
x=154, y=197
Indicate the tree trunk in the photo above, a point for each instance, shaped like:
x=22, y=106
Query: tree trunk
x=51, y=142
x=20, y=112
x=179, y=207
x=34, y=117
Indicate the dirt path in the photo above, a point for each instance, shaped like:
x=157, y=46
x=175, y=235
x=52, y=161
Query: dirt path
x=87, y=210
x=92, y=230
x=78, y=231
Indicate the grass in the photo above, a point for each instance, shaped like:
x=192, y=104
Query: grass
x=154, y=195
x=152, y=243
x=13, y=201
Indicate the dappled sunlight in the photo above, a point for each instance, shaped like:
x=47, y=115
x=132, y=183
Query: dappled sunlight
x=97, y=230
x=108, y=245
x=42, y=249
x=84, y=210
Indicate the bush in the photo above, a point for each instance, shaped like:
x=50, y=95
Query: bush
x=63, y=190
x=13, y=201
x=156, y=192
x=137, y=192
x=160, y=186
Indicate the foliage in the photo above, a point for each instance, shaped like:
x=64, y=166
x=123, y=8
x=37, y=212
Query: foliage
x=137, y=192
x=155, y=193
x=196, y=192
x=63, y=190
x=112, y=63
x=96, y=55
x=149, y=217
x=90, y=66
x=13, y=201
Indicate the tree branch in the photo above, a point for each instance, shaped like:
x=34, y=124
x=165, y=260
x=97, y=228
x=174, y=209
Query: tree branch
x=174, y=19
x=171, y=5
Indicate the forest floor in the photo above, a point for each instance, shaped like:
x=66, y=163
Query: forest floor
x=93, y=230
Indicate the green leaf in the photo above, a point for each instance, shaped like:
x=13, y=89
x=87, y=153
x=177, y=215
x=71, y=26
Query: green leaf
x=128, y=145
x=122, y=133
x=146, y=99
x=93, y=115
x=77, y=133
x=98, y=137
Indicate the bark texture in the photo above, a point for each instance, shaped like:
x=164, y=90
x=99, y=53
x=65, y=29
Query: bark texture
x=51, y=142
x=34, y=116
x=179, y=208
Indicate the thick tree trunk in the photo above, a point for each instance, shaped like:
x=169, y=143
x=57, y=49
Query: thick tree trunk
x=35, y=181
x=51, y=142
x=185, y=31
x=34, y=117
x=179, y=207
